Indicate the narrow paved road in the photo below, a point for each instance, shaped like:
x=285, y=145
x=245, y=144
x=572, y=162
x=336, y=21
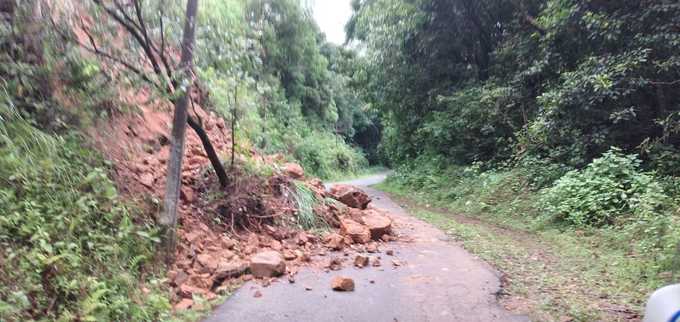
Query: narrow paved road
x=436, y=281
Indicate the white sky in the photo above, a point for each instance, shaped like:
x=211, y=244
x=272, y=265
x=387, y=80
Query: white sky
x=331, y=16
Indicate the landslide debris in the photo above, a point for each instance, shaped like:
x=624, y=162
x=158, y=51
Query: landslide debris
x=250, y=229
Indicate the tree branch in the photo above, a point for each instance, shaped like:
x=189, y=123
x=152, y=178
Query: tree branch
x=135, y=33
x=97, y=51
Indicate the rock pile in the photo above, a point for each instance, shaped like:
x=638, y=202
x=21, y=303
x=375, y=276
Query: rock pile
x=358, y=223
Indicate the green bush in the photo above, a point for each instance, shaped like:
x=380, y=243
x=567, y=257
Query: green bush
x=328, y=156
x=69, y=249
x=605, y=192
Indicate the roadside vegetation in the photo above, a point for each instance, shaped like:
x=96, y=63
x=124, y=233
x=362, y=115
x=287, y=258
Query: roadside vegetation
x=553, y=269
x=551, y=118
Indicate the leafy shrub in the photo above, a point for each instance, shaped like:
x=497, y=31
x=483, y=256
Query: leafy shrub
x=328, y=156
x=69, y=249
x=540, y=172
x=608, y=189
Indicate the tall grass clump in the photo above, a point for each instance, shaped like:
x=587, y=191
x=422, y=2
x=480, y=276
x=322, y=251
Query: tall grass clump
x=306, y=201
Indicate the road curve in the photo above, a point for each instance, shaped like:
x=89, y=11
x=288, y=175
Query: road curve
x=437, y=281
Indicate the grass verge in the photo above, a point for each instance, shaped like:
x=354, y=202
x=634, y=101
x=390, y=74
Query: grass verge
x=551, y=275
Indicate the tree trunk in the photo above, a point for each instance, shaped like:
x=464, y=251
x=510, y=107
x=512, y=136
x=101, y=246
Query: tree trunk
x=34, y=39
x=210, y=151
x=233, y=126
x=168, y=217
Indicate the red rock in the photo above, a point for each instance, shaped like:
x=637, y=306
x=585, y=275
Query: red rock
x=372, y=247
x=210, y=296
x=351, y=196
x=390, y=252
x=339, y=209
x=227, y=242
x=388, y=238
x=356, y=215
x=180, y=278
x=208, y=262
x=184, y=304
x=302, y=238
x=293, y=170
x=334, y=264
x=147, y=179
x=230, y=270
x=361, y=261
x=318, y=187
x=227, y=254
x=342, y=284
x=275, y=245
x=187, y=291
x=354, y=230
x=200, y=280
x=184, y=264
x=378, y=224
x=267, y=264
x=304, y=257
x=257, y=294
x=192, y=236
x=334, y=241
x=187, y=194
x=289, y=255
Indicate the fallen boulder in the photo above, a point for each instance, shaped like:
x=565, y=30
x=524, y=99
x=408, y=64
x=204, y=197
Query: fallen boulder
x=334, y=241
x=267, y=264
x=350, y=196
x=230, y=270
x=293, y=170
x=355, y=231
x=372, y=247
x=335, y=264
x=361, y=261
x=342, y=284
x=377, y=223
x=289, y=255
x=208, y=262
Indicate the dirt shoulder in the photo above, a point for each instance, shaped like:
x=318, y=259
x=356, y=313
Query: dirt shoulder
x=540, y=277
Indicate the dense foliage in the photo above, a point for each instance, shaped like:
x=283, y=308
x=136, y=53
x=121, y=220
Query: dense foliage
x=609, y=188
x=267, y=65
x=496, y=79
x=540, y=114
x=70, y=248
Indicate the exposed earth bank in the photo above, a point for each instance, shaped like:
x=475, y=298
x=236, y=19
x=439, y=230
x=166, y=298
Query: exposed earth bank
x=422, y=277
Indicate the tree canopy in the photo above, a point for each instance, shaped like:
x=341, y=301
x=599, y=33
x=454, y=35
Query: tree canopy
x=501, y=79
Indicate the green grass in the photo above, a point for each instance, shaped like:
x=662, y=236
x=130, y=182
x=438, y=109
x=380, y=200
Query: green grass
x=306, y=201
x=70, y=248
x=553, y=273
